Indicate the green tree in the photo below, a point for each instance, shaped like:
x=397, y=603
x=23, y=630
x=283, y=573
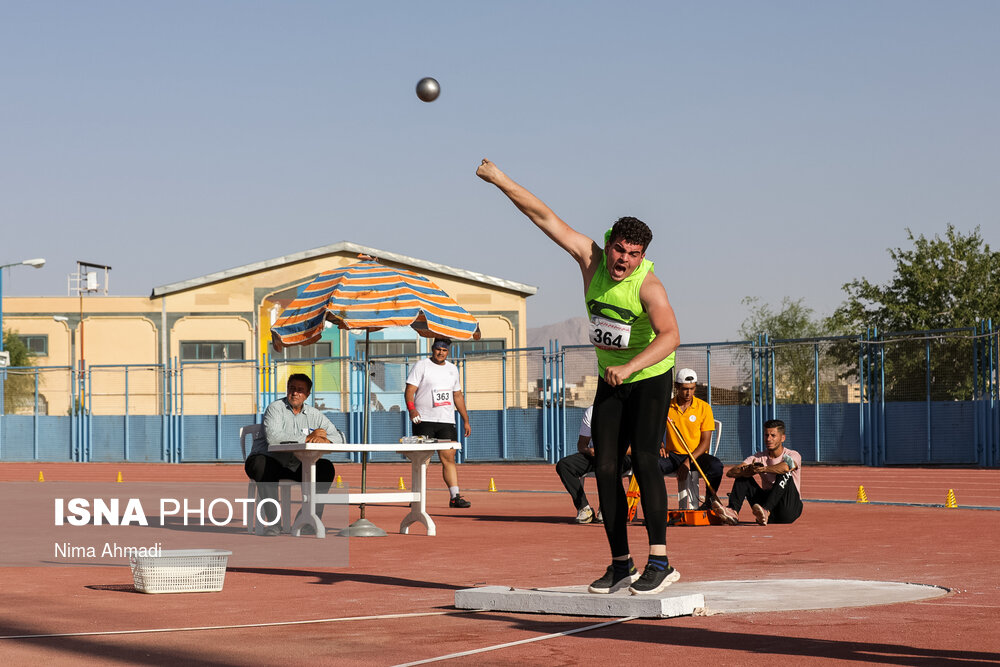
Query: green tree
x=18, y=387
x=794, y=360
x=793, y=320
x=938, y=283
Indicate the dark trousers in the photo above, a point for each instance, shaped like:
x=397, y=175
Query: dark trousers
x=781, y=500
x=268, y=471
x=633, y=413
x=571, y=470
x=711, y=466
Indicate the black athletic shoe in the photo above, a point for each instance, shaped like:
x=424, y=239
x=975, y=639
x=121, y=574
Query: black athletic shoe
x=459, y=501
x=609, y=584
x=654, y=581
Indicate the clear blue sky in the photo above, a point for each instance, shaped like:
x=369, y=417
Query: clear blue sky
x=775, y=148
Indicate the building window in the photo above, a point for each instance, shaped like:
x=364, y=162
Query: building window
x=211, y=350
x=389, y=348
x=320, y=350
x=37, y=344
x=461, y=348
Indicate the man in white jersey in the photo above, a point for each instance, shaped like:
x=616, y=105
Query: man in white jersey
x=433, y=393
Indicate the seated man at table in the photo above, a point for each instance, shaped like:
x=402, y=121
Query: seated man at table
x=290, y=420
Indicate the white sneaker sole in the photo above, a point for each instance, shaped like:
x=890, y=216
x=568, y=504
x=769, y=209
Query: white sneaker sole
x=669, y=579
x=623, y=583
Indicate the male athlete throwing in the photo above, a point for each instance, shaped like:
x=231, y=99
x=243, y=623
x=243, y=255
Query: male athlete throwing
x=634, y=331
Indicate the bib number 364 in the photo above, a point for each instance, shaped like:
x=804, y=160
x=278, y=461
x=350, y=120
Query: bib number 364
x=608, y=334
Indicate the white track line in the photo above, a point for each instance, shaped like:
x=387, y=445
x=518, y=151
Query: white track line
x=497, y=647
x=245, y=625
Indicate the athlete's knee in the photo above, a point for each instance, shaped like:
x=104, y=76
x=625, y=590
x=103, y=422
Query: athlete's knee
x=646, y=460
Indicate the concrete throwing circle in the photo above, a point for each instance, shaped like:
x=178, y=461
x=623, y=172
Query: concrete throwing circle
x=699, y=597
x=797, y=594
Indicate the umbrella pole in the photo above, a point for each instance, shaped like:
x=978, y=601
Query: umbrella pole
x=364, y=428
x=363, y=527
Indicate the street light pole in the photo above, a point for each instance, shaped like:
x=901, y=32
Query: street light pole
x=37, y=263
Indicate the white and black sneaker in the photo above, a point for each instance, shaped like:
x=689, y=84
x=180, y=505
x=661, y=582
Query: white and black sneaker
x=586, y=515
x=612, y=581
x=654, y=580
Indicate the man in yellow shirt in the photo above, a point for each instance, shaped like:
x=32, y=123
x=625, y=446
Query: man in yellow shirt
x=694, y=419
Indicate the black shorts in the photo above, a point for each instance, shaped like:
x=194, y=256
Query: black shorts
x=438, y=430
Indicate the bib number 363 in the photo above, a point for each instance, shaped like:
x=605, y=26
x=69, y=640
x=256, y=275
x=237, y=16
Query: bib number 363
x=441, y=398
x=608, y=334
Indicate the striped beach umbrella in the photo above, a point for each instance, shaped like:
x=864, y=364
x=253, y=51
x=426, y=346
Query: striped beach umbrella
x=369, y=296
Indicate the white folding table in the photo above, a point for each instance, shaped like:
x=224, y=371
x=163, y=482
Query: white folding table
x=419, y=454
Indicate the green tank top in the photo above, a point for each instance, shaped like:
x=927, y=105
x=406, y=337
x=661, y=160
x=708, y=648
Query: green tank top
x=619, y=326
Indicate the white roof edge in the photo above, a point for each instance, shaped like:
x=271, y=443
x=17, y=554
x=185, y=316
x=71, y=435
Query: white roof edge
x=343, y=246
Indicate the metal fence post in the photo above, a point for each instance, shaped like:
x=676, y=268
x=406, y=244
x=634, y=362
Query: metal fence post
x=772, y=383
x=862, y=395
x=927, y=394
x=708, y=366
x=34, y=443
x=125, y=429
x=881, y=400
x=543, y=395
x=816, y=410
x=560, y=449
x=503, y=406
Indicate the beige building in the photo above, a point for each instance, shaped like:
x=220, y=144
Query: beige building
x=213, y=322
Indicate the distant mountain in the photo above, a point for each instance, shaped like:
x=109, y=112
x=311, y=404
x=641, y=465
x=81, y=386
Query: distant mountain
x=568, y=332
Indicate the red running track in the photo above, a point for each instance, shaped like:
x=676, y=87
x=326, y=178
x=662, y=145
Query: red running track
x=523, y=536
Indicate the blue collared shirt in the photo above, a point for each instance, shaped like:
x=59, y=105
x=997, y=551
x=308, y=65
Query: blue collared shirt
x=283, y=425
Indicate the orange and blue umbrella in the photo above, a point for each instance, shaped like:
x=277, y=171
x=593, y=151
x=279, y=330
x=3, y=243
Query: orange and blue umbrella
x=369, y=296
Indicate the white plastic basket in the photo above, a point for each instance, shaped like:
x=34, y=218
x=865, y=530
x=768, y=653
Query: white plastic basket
x=180, y=571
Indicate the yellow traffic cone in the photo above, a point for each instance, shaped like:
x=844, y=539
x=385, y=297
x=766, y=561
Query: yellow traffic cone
x=493, y=486
x=401, y=486
x=340, y=482
x=41, y=477
x=119, y=477
x=950, y=501
x=862, y=496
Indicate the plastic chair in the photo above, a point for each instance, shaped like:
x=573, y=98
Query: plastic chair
x=687, y=491
x=284, y=486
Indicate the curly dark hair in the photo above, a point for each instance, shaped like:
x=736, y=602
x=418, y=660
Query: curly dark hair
x=631, y=230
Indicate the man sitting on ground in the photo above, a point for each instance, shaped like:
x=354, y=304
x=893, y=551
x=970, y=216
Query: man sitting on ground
x=573, y=467
x=290, y=420
x=694, y=420
x=777, y=498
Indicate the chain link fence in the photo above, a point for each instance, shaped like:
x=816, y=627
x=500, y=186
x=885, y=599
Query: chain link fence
x=919, y=398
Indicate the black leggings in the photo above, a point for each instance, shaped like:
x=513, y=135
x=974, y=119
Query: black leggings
x=631, y=414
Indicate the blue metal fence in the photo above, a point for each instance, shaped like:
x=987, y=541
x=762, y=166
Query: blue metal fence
x=914, y=398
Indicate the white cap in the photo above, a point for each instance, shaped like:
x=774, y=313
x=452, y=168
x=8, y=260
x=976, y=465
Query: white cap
x=685, y=376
